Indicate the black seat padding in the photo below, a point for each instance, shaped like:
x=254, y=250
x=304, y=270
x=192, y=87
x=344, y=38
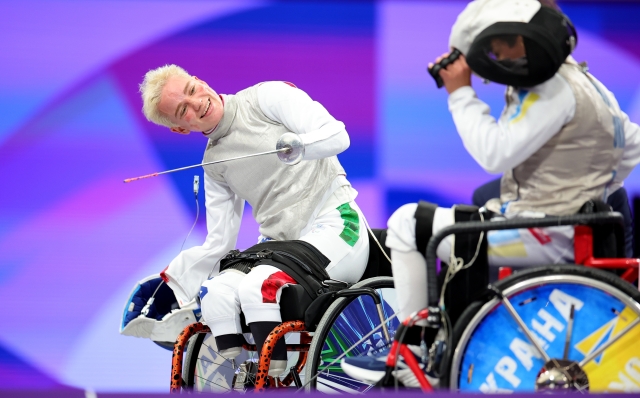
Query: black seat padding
x=293, y=303
x=378, y=265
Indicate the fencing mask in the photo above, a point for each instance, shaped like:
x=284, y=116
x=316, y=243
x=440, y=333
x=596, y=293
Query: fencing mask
x=514, y=42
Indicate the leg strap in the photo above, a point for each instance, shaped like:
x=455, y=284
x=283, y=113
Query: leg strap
x=468, y=284
x=424, y=224
x=260, y=331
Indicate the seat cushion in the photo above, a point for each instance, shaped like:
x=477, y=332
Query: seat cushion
x=293, y=303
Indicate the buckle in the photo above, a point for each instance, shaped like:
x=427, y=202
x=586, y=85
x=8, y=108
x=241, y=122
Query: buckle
x=434, y=319
x=232, y=254
x=335, y=283
x=265, y=253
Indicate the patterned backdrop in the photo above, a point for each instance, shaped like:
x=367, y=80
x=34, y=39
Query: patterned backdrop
x=74, y=239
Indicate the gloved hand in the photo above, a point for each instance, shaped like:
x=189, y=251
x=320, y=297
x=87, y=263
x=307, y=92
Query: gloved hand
x=152, y=312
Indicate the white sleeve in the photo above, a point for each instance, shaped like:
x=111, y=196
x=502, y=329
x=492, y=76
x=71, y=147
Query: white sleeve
x=321, y=133
x=631, y=154
x=192, y=266
x=530, y=119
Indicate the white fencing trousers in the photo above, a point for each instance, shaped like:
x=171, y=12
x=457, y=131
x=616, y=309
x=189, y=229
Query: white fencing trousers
x=517, y=247
x=336, y=234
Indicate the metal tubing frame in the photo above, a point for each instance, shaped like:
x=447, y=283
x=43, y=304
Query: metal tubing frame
x=482, y=226
x=276, y=334
x=178, y=353
x=583, y=254
x=401, y=349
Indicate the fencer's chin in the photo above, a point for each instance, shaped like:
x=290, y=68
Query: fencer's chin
x=207, y=132
x=209, y=108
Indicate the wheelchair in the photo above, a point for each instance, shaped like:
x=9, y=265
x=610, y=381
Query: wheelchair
x=545, y=329
x=318, y=333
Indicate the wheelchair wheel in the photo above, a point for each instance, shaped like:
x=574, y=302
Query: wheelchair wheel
x=204, y=369
x=574, y=313
x=345, y=322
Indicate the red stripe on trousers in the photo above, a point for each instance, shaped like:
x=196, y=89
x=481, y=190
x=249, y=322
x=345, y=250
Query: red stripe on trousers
x=271, y=285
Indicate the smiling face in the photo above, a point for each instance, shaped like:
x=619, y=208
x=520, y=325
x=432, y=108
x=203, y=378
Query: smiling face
x=190, y=104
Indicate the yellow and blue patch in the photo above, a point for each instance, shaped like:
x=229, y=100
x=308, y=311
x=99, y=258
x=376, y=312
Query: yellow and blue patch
x=506, y=244
x=526, y=100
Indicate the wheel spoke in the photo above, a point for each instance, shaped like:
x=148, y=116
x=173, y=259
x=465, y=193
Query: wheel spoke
x=606, y=345
x=525, y=329
x=567, y=341
x=217, y=352
x=215, y=363
x=356, y=344
x=213, y=383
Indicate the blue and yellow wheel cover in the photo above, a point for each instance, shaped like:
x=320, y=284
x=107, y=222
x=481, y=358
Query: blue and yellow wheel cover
x=499, y=358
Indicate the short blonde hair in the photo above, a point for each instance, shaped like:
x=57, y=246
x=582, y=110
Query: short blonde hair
x=151, y=91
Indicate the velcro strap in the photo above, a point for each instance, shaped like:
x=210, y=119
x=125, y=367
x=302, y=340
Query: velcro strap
x=465, y=244
x=298, y=259
x=424, y=224
x=244, y=266
x=469, y=283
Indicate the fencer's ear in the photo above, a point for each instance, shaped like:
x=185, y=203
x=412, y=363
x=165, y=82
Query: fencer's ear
x=179, y=130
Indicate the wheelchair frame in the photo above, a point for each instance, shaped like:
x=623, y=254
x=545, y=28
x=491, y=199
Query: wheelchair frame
x=583, y=255
x=263, y=380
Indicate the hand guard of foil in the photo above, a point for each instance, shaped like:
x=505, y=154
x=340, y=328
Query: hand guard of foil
x=152, y=312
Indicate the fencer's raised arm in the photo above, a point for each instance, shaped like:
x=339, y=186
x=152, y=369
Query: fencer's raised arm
x=186, y=273
x=322, y=135
x=530, y=119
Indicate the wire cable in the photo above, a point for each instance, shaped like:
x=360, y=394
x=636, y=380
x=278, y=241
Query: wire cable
x=194, y=223
x=456, y=264
x=152, y=298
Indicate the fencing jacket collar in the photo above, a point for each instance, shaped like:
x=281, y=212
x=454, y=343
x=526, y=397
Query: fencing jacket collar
x=229, y=114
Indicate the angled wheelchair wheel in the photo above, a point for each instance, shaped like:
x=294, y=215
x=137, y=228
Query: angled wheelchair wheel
x=587, y=321
x=205, y=370
x=344, y=324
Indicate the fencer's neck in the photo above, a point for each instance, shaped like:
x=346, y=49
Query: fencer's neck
x=206, y=133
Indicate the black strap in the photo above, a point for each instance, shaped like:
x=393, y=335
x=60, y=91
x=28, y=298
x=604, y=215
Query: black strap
x=243, y=266
x=470, y=283
x=608, y=240
x=424, y=224
x=298, y=259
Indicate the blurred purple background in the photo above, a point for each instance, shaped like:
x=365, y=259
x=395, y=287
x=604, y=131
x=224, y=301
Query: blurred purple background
x=74, y=239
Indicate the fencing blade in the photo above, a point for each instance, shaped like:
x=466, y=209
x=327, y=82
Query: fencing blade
x=284, y=149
